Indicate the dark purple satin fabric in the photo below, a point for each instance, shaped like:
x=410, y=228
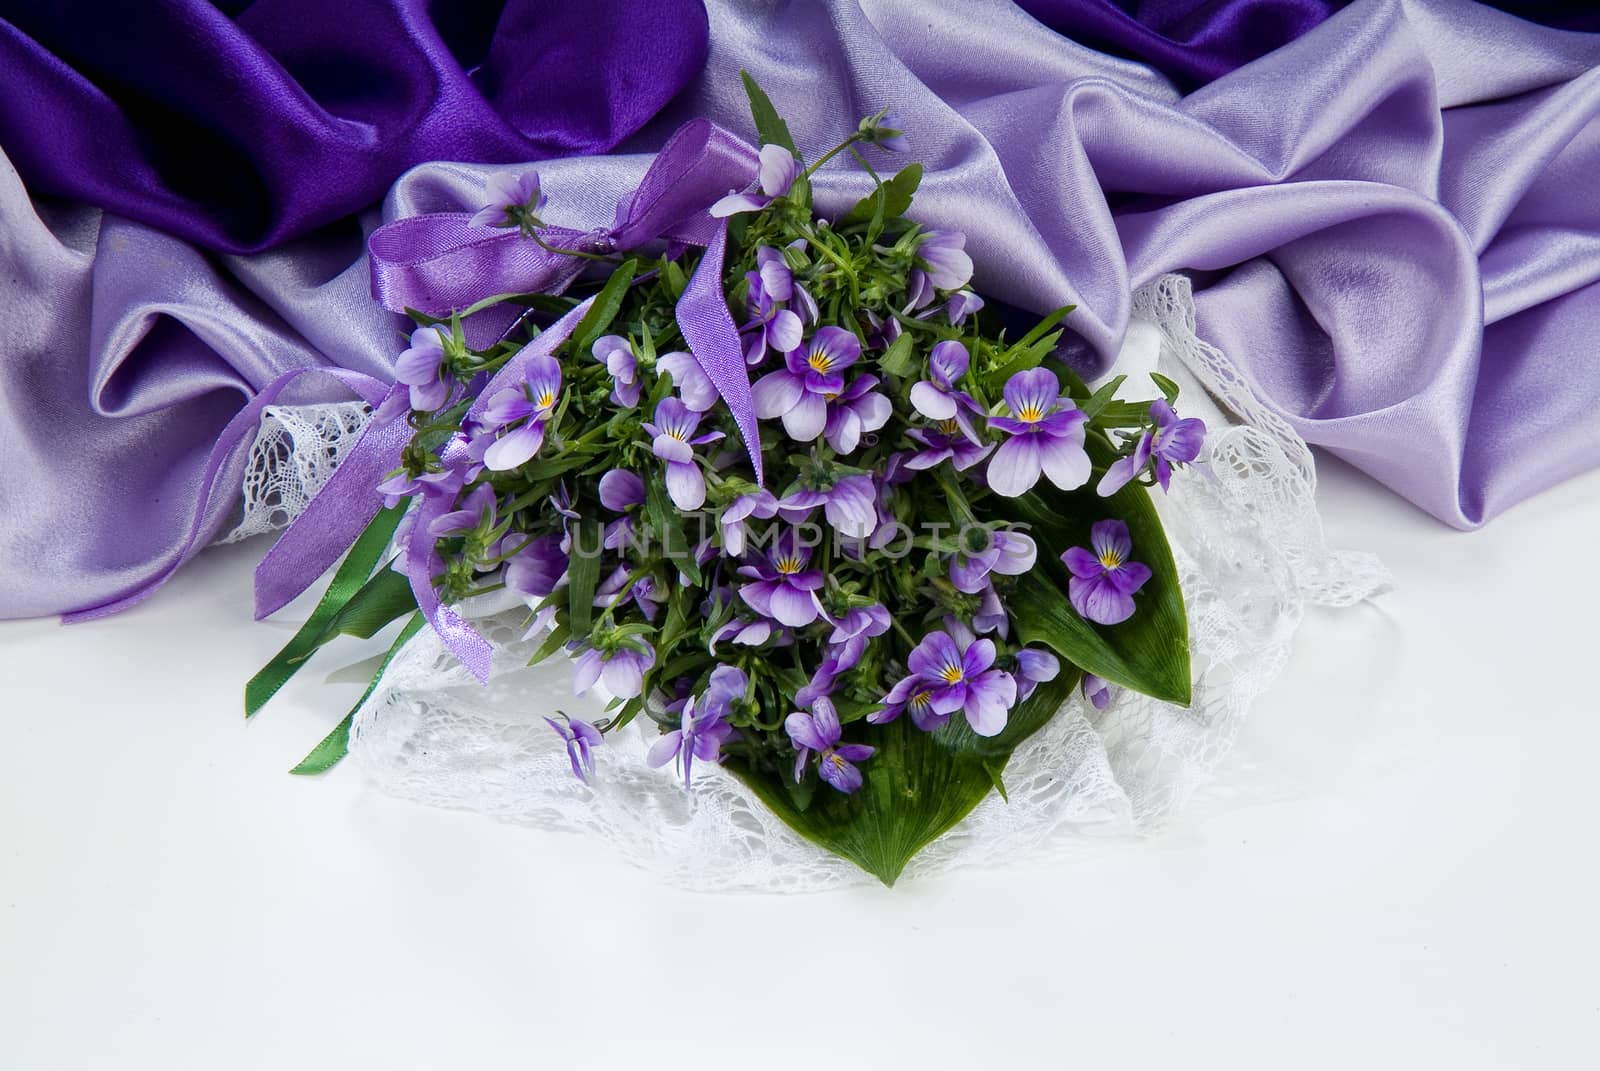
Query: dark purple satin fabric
x=238, y=133
x=1194, y=42
x=1190, y=41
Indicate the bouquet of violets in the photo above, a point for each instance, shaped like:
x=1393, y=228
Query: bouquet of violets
x=854, y=567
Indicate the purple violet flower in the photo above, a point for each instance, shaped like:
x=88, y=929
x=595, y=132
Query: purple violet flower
x=848, y=641
x=642, y=592
x=1034, y=667
x=1105, y=579
x=419, y=369
x=616, y=353
x=1046, y=432
x=1096, y=691
x=778, y=171
x=674, y=435
x=991, y=614
x=622, y=671
x=799, y=391
x=858, y=410
x=1006, y=554
x=948, y=673
x=783, y=588
x=943, y=254
x=694, y=386
x=1170, y=442
x=850, y=505
x=759, y=504
x=581, y=738
x=819, y=732
x=530, y=403
x=962, y=303
x=515, y=200
x=479, y=509
x=702, y=728
x=770, y=327
x=621, y=490
x=937, y=397
x=743, y=631
x=537, y=569
x=947, y=443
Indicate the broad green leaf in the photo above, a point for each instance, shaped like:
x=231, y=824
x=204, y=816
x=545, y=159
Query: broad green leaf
x=606, y=305
x=916, y=788
x=346, y=584
x=583, y=575
x=770, y=127
x=1150, y=651
x=336, y=744
x=552, y=643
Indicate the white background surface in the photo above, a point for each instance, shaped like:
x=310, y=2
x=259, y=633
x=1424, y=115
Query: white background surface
x=1406, y=875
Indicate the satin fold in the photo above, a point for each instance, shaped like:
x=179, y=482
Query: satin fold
x=240, y=131
x=1395, y=240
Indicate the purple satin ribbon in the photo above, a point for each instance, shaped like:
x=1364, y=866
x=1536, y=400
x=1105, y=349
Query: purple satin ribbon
x=440, y=263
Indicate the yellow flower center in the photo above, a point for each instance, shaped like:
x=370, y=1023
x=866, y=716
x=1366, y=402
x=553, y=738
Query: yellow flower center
x=951, y=674
x=788, y=565
x=547, y=398
x=949, y=427
x=1031, y=413
x=922, y=699
x=838, y=761
x=820, y=361
x=675, y=433
x=1110, y=559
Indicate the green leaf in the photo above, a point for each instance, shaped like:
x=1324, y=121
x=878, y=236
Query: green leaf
x=583, y=575
x=897, y=359
x=607, y=303
x=336, y=744
x=770, y=127
x=667, y=522
x=1168, y=388
x=552, y=643
x=915, y=789
x=1150, y=651
x=1102, y=397
x=346, y=584
x=888, y=199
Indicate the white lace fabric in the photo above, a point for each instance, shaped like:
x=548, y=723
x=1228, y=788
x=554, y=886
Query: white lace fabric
x=1251, y=556
x=294, y=453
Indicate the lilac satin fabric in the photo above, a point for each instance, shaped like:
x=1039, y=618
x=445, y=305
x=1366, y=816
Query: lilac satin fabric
x=237, y=133
x=1194, y=42
x=1401, y=250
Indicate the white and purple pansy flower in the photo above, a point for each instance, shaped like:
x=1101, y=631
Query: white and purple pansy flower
x=673, y=441
x=421, y=368
x=581, y=738
x=782, y=588
x=1105, y=579
x=818, y=733
x=513, y=200
x=694, y=386
x=1170, y=441
x=513, y=422
x=702, y=723
x=798, y=393
x=1046, y=435
x=952, y=671
x=778, y=170
x=616, y=353
x=1001, y=552
x=938, y=397
x=855, y=412
x=944, y=256
x=620, y=670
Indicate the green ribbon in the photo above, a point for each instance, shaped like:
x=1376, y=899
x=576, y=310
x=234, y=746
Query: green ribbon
x=336, y=744
x=348, y=582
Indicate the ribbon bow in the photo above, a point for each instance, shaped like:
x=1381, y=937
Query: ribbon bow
x=440, y=263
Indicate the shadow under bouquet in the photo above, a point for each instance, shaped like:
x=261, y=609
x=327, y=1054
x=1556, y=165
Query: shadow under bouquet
x=781, y=485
